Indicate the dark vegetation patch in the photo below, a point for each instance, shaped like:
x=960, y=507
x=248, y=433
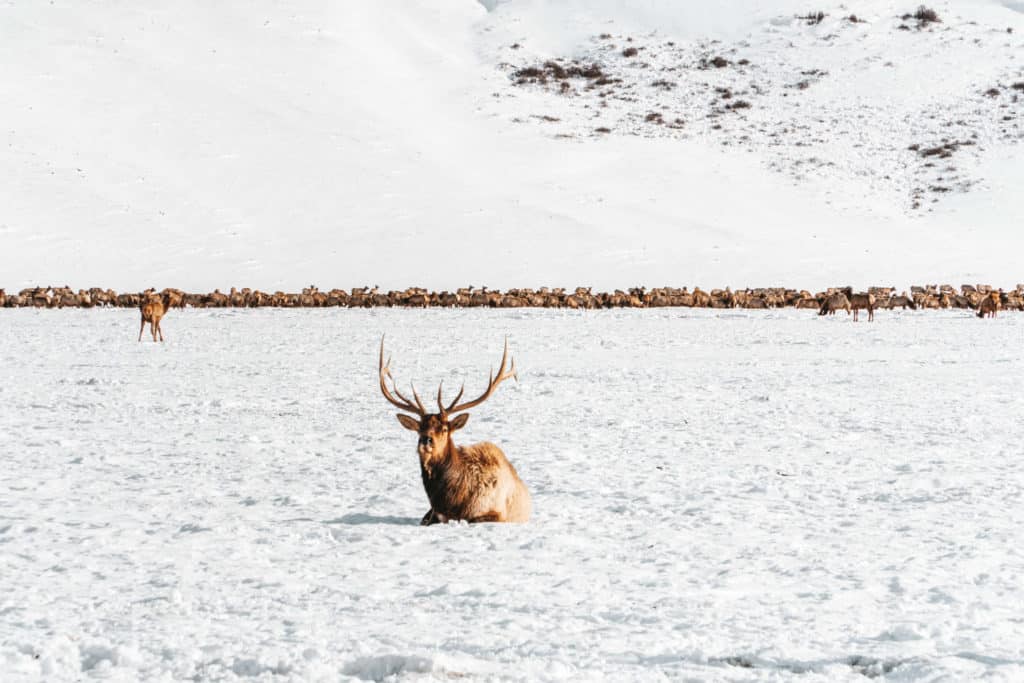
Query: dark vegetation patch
x=552, y=70
x=992, y=92
x=812, y=18
x=853, y=19
x=924, y=16
x=663, y=84
x=1018, y=86
x=737, y=105
x=603, y=129
x=718, y=62
x=943, y=151
x=630, y=52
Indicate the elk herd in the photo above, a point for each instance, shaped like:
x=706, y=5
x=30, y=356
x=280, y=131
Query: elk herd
x=825, y=302
x=153, y=305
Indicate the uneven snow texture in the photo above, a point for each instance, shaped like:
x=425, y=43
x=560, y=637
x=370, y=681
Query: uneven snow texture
x=718, y=496
x=277, y=144
x=871, y=100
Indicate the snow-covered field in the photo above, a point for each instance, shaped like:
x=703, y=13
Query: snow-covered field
x=718, y=496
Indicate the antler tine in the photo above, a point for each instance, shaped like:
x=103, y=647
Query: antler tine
x=419, y=403
x=445, y=411
x=401, y=402
x=492, y=383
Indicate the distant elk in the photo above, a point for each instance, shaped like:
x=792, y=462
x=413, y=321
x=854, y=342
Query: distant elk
x=153, y=308
x=901, y=300
x=474, y=483
x=834, y=301
x=859, y=301
x=989, y=305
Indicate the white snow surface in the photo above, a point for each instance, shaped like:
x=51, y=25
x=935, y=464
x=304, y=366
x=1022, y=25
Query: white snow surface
x=275, y=144
x=736, y=496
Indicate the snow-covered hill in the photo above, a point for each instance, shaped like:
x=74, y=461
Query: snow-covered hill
x=391, y=142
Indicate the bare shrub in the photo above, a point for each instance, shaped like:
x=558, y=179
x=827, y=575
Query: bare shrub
x=924, y=17
x=813, y=18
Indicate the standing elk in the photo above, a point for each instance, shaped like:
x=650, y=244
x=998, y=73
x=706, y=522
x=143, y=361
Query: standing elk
x=153, y=308
x=989, y=305
x=859, y=301
x=476, y=483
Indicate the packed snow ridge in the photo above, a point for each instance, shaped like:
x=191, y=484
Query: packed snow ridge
x=906, y=103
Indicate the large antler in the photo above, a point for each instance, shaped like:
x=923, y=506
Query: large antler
x=401, y=402
x=492, y=384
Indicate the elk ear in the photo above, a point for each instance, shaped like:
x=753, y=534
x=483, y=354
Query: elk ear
x=410, y=423
x=458, y=422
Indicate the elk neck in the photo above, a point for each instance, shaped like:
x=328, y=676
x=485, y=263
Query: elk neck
x=433, y=465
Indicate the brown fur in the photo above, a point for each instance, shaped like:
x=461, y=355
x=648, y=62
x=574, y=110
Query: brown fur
x=901, y=300
x=836, y=301
x=474, y=483
x=989, y=305
x=859, y=301
x=153, y=310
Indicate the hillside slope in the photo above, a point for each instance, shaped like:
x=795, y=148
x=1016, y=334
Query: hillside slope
x=392, y=143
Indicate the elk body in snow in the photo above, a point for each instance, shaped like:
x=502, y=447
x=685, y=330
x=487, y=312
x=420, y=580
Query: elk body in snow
x=862, y=300
x=153, y=308
x=474, y=483
x=835, y=301
x=988, y=306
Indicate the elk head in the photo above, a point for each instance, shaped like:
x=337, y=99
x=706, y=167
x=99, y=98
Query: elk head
x=435, y=429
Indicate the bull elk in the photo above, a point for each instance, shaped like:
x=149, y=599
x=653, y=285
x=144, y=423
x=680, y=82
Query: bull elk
x=474, y=483
x=153, y=308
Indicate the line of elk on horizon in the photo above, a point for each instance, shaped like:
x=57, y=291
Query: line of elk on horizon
x=828, y=301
